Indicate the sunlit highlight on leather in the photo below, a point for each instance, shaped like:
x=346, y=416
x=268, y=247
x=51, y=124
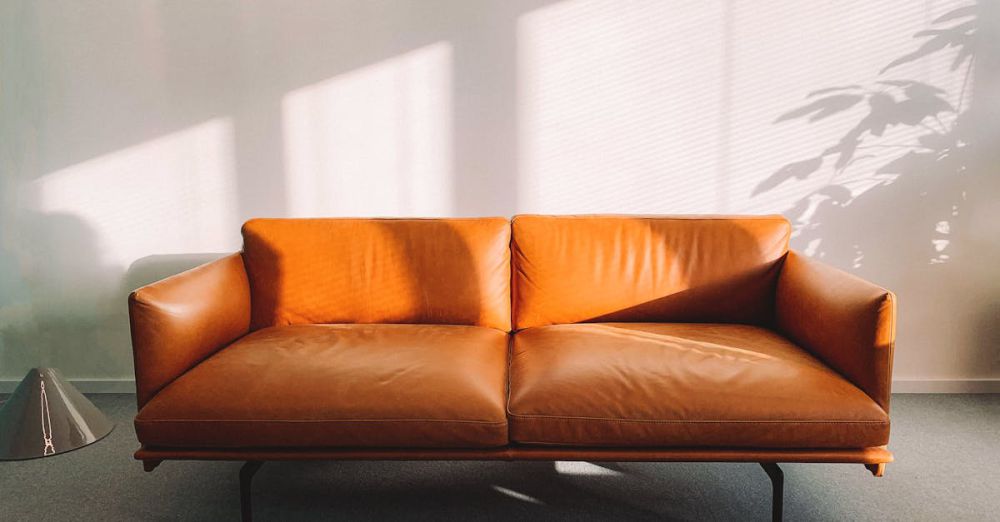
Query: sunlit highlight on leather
x=844, y=320
x=180, y=320
x=570, y=269
x=690, y=385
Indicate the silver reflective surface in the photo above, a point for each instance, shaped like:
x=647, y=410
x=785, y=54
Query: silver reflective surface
x=45, y=416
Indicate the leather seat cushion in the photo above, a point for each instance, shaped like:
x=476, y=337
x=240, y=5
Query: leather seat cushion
x=409, y=386
x=691, y=385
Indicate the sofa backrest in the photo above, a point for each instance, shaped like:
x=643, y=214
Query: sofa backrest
x=571, y=269
x=433, y=271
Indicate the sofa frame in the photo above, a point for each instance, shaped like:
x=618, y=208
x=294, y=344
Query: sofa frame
x=874, y=460
x=162, y=314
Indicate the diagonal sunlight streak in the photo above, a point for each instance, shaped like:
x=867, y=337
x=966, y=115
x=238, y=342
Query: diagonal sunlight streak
x=171, y=195
x=602, y=110
x=516, y=495
x=373, y=142
x=585, y=469
x=664, y=108
x=80, y=229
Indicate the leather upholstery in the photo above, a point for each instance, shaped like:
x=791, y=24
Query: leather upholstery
x=693, y=385
x=570, y=269
x=846, y=321
x=695, y=339
x=430, y=271
x=180, y=320
x=416, y=386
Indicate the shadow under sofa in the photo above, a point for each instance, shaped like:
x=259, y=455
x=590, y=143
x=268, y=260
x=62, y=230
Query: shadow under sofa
x=597, y=338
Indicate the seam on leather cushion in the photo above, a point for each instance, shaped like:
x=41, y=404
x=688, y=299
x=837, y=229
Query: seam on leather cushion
x=664, y=217
x=703, y=421
x=687, y=446
x=263, y=421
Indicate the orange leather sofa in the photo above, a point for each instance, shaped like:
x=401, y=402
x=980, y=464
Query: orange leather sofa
x=600, y=338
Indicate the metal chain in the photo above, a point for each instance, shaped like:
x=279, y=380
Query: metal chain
x=46, y=424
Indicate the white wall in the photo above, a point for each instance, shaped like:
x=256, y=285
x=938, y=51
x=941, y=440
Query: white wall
x=135, y=137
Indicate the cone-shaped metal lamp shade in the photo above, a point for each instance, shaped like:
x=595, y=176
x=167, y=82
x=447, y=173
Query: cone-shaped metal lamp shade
x=46, y=415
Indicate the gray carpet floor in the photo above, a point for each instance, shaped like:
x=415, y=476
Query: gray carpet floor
x=947, y=468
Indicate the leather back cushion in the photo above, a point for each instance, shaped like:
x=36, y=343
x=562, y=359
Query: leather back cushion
x=571, y=269
x=432, y=271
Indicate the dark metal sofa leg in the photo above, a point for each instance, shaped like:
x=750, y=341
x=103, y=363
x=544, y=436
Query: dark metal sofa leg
x=777, y=489
x=246, y=480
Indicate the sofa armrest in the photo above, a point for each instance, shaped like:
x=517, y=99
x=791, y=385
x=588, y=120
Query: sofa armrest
x=846, y=321
x=181, y=320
